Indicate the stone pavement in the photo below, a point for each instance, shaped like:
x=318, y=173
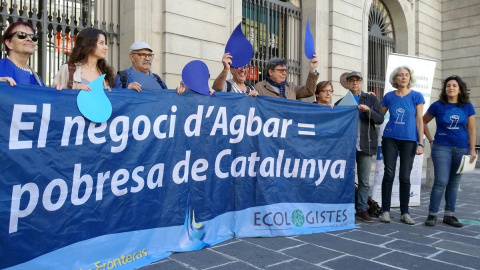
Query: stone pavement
x=372, y=246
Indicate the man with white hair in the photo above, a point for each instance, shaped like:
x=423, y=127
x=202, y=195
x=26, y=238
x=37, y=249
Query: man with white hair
x=139, y=76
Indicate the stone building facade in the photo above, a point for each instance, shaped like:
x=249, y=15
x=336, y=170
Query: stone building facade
x=179, y=31
x=183, y=30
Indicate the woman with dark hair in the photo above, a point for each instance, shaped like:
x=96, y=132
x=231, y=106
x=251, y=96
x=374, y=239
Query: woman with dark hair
x=86, y=63
x=455, y=136
x=402, y=136
x=20, y=41
x=323, y=93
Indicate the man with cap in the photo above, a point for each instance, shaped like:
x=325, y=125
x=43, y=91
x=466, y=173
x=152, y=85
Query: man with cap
x=139, y=76
x=367, y=140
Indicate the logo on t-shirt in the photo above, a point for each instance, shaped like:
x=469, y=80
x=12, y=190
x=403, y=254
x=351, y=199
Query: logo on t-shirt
x=454, y=121
x=400, y=113
x=453, y=118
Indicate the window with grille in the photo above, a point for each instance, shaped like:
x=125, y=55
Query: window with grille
x=274, y=29
x=381, y=42
x=57, y=22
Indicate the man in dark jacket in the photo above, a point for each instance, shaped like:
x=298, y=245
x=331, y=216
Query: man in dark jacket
x=367, y=140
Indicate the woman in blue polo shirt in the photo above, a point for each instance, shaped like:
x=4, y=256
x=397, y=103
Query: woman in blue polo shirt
x=455, y=136
x=402, y=136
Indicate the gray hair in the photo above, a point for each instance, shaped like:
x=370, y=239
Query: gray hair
x=394, y=74
x=274, y=62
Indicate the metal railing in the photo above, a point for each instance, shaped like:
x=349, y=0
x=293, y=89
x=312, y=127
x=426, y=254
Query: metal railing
x=378, y=51
x=57, y=22
x=274, y=30
x=381, y=42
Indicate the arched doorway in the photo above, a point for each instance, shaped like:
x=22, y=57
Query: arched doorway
x=381, y=42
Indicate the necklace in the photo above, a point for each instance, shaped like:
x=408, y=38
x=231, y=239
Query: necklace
x=27, y=69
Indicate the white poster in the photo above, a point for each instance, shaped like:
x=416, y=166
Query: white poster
x=424, y=70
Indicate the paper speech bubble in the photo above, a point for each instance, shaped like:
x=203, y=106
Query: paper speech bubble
x=195, y=76
x=309, y=46
x=239, y=48
x=94, y=104
x=348, y=100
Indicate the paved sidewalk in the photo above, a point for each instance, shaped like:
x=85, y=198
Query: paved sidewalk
x=373, y=246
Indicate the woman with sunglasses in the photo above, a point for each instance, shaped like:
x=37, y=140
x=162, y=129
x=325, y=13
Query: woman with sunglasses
x=323, y=93
x=455, y=136
x=86, y=63
x=20, y=41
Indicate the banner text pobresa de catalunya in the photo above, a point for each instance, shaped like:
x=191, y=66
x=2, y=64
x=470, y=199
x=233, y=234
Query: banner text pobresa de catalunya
x=164, y=167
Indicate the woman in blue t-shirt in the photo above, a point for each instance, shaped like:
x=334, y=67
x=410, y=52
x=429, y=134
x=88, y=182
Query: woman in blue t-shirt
x=455, y=137
x=401, y=136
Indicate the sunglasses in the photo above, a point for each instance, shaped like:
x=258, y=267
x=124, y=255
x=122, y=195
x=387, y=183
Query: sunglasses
x=23, y=35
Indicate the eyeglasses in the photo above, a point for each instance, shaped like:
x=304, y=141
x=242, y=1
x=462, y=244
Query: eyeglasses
x=406, y=75
x=281, y=70
x=145, y=55
x=355, y=80
x=326, y=91
x=23, y=35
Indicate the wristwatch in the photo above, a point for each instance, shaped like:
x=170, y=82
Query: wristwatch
x=421, y=145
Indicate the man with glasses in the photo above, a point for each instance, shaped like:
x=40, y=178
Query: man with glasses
x=276, y=85
x=235, y=85
x=367, y=140
x=139, y=76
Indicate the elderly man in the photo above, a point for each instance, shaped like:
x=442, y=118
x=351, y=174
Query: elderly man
x=369, y=116
x=275, y=83
x=139, y=76
x=237, y=84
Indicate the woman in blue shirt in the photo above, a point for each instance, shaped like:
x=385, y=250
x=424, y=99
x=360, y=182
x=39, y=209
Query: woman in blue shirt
x=401, y=136
x=20, y=41
x=455, y=136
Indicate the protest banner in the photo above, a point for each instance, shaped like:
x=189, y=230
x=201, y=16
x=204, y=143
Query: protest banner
x=165, y=173
x=424, y=72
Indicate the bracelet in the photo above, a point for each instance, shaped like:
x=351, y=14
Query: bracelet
x=421, y=145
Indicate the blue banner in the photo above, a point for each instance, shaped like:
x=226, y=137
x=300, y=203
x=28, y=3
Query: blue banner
x=165, y=173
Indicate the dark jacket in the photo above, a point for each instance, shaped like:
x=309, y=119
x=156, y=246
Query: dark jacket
x=368, y=120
